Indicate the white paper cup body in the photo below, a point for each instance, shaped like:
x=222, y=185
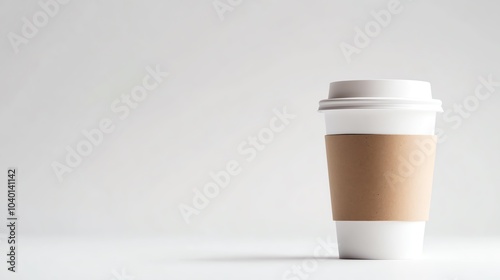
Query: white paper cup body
x=380, y=121
x=380, y=239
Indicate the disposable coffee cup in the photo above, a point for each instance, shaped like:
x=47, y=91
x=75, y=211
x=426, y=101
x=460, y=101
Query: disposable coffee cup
x=380, y=146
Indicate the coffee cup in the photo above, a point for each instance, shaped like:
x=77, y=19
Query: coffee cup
x=380, y=150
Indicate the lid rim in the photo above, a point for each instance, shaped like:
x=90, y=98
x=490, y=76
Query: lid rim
x=380, y=103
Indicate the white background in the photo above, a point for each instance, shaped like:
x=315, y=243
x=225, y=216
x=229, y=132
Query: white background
x=226, y=75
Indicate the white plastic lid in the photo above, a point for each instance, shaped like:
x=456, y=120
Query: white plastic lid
x=380, y=94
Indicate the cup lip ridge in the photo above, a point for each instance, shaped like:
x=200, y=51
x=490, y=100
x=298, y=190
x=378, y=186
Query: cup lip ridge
x=380, y=103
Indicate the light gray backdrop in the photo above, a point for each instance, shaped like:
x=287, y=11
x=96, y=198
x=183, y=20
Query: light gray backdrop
x=232, y=65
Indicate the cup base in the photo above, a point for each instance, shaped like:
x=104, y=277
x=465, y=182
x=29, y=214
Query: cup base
x=380, y=240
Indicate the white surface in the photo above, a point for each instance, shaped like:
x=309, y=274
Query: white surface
x=208, y=258
x=380, y=240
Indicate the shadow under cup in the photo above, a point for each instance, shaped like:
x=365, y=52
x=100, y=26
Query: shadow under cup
x=380, y=150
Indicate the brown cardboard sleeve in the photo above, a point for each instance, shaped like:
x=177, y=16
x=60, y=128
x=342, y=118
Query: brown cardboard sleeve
x=376, y=177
